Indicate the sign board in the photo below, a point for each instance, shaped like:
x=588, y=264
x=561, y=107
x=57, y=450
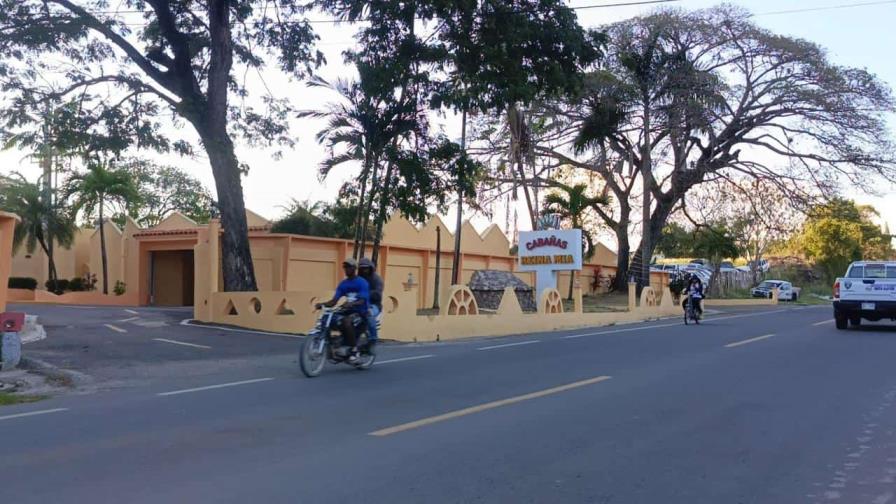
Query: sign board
x=548, y=251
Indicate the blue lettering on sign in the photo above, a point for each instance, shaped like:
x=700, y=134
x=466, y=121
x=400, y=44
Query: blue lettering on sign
x=883, y=287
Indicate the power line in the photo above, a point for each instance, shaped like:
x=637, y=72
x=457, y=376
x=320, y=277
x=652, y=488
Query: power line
x=830, y=7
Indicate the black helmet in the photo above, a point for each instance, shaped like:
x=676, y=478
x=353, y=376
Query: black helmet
x=366, y=263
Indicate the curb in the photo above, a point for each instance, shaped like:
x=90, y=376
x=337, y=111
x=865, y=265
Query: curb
x=66, y=378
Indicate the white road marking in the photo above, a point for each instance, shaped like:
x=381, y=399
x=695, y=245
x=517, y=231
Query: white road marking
x=487, y=406
x=33, y=413
x=746, y=341
x=132, y=312
x=180, y=343
x=211, y=387
x=129, y=319
x=823, y=322
x=115, y=328
x=509, y=345
x=188, y=323
x=416, y=357
x=151, y=323
x=657, y=326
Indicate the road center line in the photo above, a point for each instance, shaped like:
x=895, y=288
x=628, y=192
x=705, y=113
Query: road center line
x=180, y=343
x=509, y=345
x=823, y=322
x=32, y=413
x=115, y=328
x=211, y=387
x=746, y=341
x=416, y=357
x=486, y=406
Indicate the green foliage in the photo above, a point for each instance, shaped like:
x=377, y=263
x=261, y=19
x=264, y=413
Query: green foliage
x=840, y=232
x=676, y=241
x=27, y=283
x=164, y=190
x=102, y=184
x=572, y=203
x=40, y=219
x=57, y=286
x=120, y=288
x=715, y=242
x=317, y=219
x=77, y=284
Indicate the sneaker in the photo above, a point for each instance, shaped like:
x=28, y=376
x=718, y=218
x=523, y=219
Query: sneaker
x=355, y=357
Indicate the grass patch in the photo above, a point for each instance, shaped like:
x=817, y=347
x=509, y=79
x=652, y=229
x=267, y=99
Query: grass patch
x=7, y=399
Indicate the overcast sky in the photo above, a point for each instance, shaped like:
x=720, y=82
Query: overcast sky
x=861, y=36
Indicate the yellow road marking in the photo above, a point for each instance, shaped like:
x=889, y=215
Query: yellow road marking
x=487, y=406
x=823, y=322
x=751, y=340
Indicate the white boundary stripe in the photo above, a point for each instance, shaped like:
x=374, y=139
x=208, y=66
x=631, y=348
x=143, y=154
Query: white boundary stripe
x=129, y=319
x=115, y=328
x=657, y=326
x=33, y=413
x=133, y=312
x=746, y=341
x=188, y=323
x=211, y=387
x=823, y=322
x=509, y=345
x=180, y=343
x=487, y=406
x=416, y=357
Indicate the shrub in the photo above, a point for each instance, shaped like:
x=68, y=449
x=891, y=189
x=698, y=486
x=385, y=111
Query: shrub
x=119, y=288
x=77, y=284
x=22, y=283
x=57, y=286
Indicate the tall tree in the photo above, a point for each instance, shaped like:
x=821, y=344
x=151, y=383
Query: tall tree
x=572, y=204
x=120, y=69
x=733, y=98
x=40, y=220
x=92, y=191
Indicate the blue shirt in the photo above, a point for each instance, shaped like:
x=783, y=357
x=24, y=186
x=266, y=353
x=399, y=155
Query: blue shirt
x=354, y=289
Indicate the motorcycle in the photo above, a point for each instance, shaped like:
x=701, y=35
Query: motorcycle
x=690, y=309
x=324, y=343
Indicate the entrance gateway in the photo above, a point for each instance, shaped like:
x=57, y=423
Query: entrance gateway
x=548, y=251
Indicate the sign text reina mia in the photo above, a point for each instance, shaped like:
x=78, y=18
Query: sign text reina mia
x=546, y=259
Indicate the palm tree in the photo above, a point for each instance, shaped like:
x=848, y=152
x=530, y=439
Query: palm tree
x=572, y=203
x=359, y=128
x=39, y=220
x=96, y=188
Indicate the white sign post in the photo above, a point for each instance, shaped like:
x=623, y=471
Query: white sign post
x=548, y=251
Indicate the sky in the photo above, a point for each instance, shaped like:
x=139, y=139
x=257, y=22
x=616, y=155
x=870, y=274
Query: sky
x=860, y=36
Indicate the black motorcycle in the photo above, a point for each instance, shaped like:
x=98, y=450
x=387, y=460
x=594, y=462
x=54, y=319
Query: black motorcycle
x=324, y=343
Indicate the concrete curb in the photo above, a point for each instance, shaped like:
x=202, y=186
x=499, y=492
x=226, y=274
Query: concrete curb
x=65, y=377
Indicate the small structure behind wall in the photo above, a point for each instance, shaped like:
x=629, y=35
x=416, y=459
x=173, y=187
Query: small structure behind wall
x=172, y=278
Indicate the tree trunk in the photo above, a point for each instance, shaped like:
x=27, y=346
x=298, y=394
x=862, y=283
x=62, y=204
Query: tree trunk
x=51, y=264
x=646, y=240
x=359, y=215
x=374, y=187
x=572, y=281
x=105, y=259
x=435, y=297
x=455, y=264
x=620, y=284
x=381, y=213
x=654, y=230
x=532, y=213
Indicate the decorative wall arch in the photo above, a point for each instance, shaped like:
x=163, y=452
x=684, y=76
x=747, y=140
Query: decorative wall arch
x=649, y=297
x=462, y=302
x=551, y=301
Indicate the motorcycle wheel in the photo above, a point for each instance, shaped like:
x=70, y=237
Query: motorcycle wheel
x=366, y=361
x=312, y=361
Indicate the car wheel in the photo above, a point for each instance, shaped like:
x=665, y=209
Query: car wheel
x=840, y=320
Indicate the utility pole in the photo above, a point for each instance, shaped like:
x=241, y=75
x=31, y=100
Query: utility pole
x=435, y=297
x=47, y=165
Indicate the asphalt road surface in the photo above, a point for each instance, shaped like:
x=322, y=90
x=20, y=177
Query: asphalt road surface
x=759, y=406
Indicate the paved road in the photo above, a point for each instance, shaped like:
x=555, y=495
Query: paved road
x=771, y=406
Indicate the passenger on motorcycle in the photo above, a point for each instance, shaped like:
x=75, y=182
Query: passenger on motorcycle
x=367, y=271
x=695, y=292
x=356, y=290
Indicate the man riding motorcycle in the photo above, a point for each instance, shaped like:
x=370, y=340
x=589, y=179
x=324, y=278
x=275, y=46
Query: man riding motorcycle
x=694, y=292
x=367, y=271
x=356, y=290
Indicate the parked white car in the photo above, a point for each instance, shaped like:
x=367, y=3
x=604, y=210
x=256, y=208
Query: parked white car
x=786, y=290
